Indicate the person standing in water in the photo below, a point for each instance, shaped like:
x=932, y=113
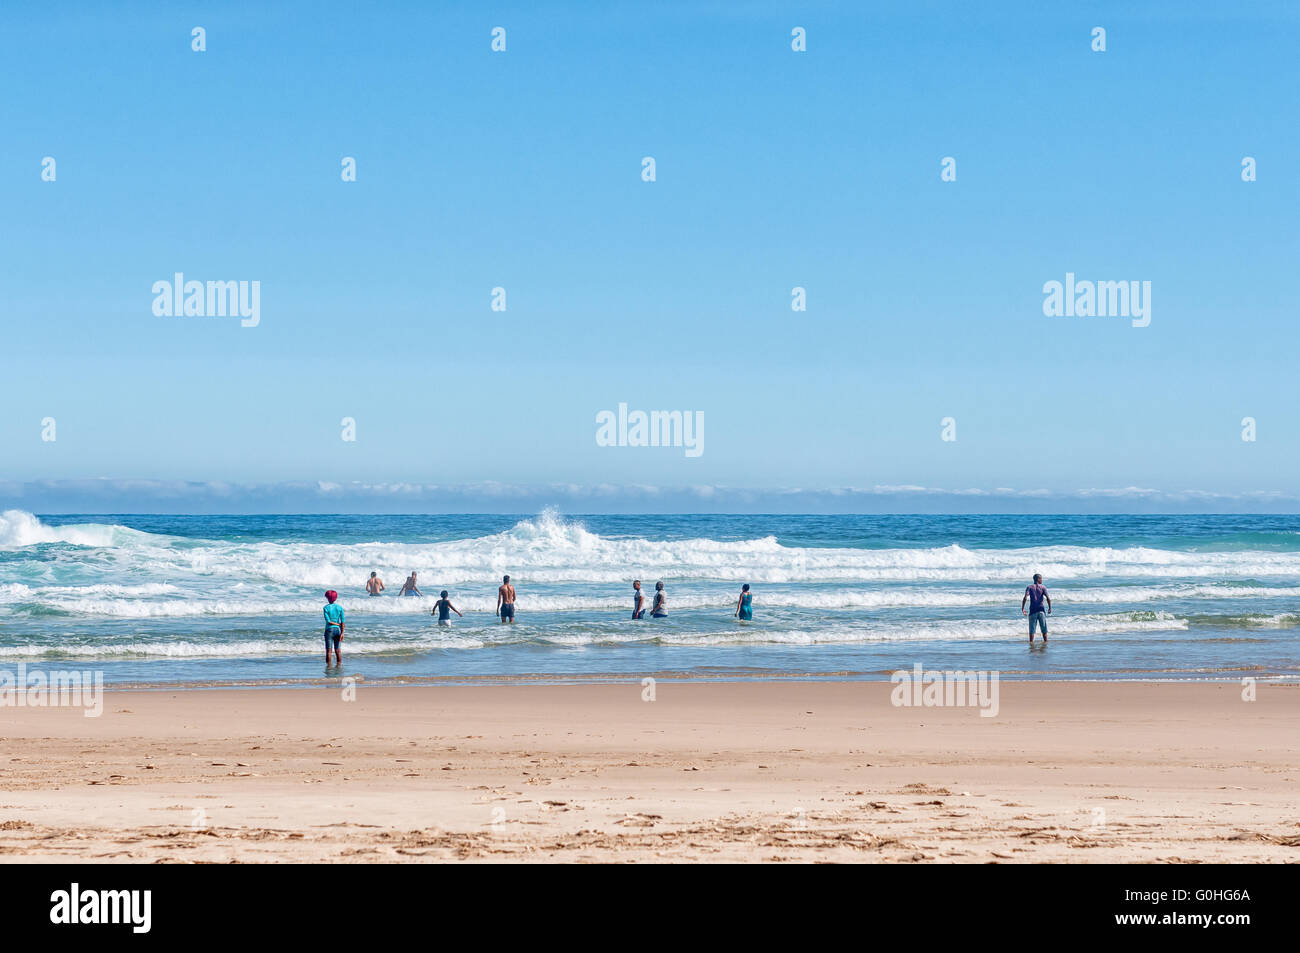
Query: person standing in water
x=333, y=627
x=409, y=587
x=443, y=609
x=506, y=600
x=638, y=600
x=374, y=585
x=744, y=606
x=1036, y=595
x=660, y=607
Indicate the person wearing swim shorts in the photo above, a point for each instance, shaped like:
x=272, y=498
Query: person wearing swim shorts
x=1036, y=595
x=744, y=605
x=374, y=585
x=638, y=600
x=660, y=609
x=506, y=600
x=443, y=609
x=333, y=627
x=409, y=588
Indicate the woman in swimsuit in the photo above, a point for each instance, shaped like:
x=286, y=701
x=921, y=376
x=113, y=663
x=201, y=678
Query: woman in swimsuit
x=744, y=608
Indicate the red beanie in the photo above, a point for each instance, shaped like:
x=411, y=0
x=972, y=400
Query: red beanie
x=331, y=595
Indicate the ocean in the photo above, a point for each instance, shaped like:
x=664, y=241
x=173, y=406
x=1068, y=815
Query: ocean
x=212, y=600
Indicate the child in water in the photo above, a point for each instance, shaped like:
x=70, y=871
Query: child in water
x=443, y=609
x=333, y=627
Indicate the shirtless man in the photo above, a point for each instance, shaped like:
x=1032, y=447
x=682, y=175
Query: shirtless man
x=506, y=600
x=374, y=585
x=409, y=588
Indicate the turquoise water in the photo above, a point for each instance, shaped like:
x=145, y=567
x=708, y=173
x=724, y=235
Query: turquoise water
x=204, y=599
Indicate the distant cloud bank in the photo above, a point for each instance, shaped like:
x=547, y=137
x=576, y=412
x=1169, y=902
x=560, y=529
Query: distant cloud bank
x=180, y=496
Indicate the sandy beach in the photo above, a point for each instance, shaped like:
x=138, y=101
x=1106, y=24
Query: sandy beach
x=708, y=771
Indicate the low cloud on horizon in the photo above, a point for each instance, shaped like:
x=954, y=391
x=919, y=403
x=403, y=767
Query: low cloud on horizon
x=106, y=495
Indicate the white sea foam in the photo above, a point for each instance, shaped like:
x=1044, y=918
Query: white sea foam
x=560, y=566
x=465, y=637
x=18, y=592
x=549, y=550
x=957, y=630
x=19, y=528
x=130, y=602
x=244, y=648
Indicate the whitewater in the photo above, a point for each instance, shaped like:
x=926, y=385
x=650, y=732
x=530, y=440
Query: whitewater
x=212, y=599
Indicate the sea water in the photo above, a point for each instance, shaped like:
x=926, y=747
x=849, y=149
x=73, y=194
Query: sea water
x=237, y=599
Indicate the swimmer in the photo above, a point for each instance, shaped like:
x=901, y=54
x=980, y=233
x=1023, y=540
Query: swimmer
x=443, y=609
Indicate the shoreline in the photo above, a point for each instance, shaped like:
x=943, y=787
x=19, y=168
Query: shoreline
x=623, y=678
x=715, y=771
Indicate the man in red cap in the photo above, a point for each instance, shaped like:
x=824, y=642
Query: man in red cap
x=333, y=627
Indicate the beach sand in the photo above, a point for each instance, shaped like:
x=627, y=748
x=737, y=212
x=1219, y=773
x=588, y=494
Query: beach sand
x=713, y=771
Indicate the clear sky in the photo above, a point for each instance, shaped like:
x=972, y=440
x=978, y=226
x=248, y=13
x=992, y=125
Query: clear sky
x=774, y=169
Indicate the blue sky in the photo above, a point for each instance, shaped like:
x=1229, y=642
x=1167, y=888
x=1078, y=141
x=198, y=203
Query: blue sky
x=775, y=169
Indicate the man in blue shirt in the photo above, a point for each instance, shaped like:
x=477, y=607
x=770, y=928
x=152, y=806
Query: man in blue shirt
x=333, y=628
x=1036, y=595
